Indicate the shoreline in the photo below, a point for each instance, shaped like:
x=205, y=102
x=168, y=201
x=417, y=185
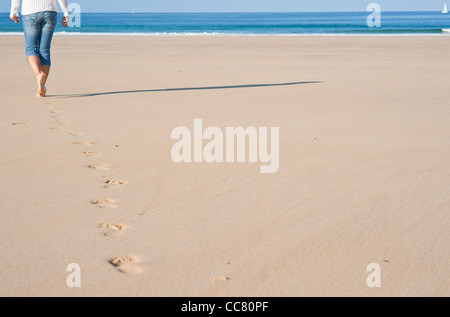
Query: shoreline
x=223, y=35
x=235, y=35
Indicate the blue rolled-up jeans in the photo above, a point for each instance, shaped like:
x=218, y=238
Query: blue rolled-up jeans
x=38, y=29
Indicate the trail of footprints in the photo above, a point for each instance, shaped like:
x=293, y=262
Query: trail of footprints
x=127, y=263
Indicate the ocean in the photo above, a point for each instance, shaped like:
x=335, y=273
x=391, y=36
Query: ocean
x=216, y=24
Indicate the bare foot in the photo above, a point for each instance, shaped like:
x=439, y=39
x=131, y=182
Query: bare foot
x=41, y=86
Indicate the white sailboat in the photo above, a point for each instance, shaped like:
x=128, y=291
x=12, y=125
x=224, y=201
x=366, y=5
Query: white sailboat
x=445, y=8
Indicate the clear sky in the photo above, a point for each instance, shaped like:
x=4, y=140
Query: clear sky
x=247, y=5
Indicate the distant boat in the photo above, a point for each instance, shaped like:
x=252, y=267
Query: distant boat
x=445, y=8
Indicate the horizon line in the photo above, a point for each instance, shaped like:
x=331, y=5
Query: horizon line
x=135, y=12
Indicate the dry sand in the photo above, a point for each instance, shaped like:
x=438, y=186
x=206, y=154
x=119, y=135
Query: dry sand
x=364, y=171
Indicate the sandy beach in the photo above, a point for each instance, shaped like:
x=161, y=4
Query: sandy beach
x=364, y=176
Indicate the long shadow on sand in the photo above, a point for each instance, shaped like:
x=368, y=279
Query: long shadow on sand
x=180, y=89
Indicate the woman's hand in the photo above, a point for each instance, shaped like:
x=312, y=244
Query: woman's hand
x=15, y=18
x=65, y=21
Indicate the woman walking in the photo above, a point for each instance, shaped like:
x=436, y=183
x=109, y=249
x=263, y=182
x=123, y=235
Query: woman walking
x=39, y=22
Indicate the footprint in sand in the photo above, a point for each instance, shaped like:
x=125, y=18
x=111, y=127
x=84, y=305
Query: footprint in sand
x=62, y=121
x=218, y=283
x=75, y=134
x=112, y=228
x=112, y=183
x=21, y=122
x=104, y=203
x=57, y=116
x=92, y=153
x=221, y=279
x=55, y=111
x=102, y=167
x=57, y=128
x=126, y=264
x=87, y=143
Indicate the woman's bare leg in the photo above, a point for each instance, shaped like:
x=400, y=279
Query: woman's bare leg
x=41, y=77
x=45, y=69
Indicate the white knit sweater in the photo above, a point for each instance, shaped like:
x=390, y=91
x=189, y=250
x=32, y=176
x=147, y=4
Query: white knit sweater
x=33, y=6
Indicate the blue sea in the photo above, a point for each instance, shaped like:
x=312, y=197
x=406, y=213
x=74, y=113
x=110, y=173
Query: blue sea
x=216, y=24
